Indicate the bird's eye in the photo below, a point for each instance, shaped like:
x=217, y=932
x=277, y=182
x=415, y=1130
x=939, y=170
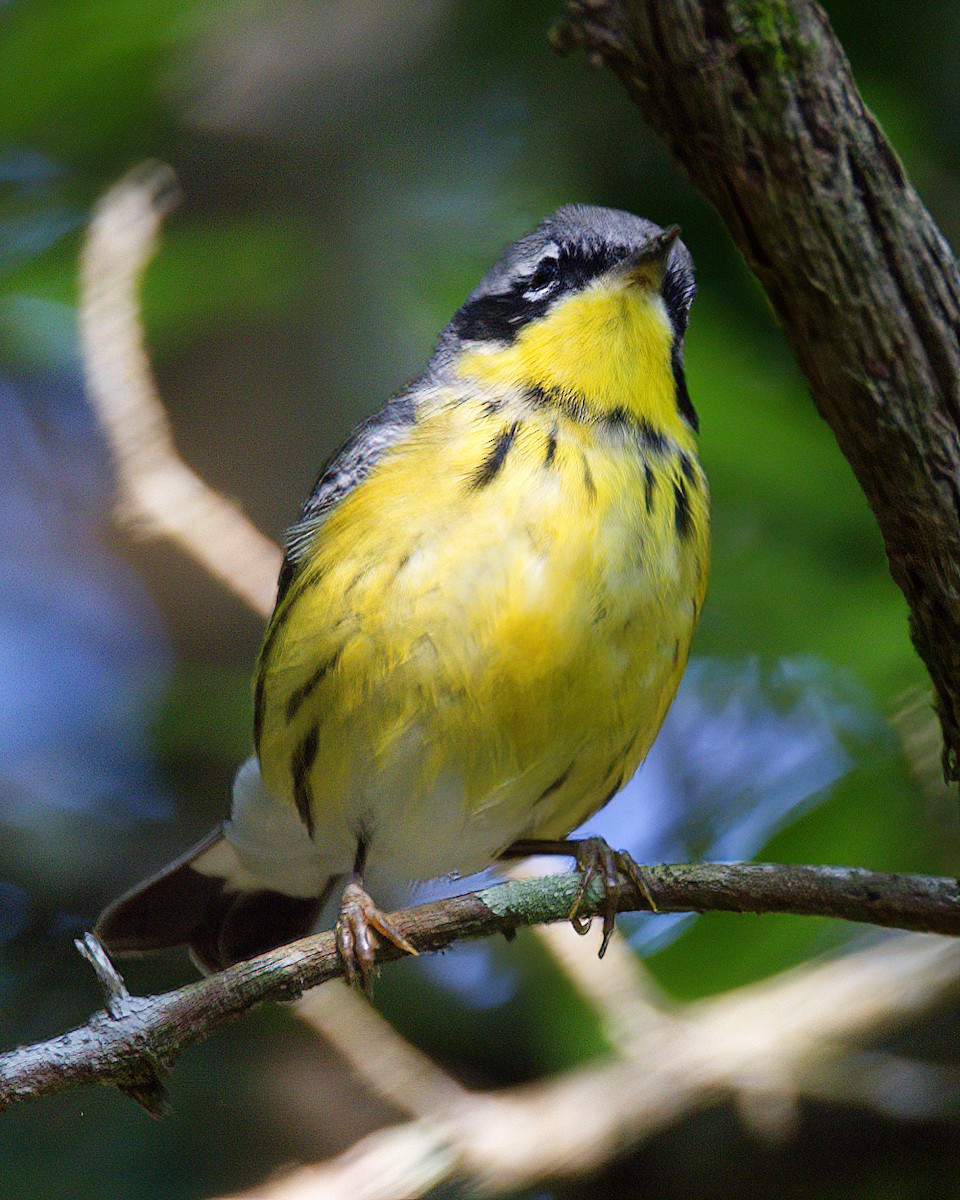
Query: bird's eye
x=544, y=279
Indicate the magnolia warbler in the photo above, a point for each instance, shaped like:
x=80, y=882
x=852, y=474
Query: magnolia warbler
x=484, y=611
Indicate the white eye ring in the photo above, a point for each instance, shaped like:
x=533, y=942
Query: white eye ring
x=544, y=280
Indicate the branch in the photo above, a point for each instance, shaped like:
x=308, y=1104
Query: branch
x=158, y=493
x=765, y=1046
x=484, y=1136
x=134, y=1042
x=150, y=479
x=757, y=103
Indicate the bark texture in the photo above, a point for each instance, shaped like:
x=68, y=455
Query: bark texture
x=756, y=100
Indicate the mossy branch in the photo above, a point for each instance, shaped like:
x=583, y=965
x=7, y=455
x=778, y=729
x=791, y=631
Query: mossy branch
x=757, y=102
x=134, y=1041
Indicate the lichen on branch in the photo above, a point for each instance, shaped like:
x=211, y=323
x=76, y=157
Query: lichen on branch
x=134, y=1041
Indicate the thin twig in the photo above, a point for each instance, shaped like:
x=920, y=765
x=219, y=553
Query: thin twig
x=152, y=482
x=510, y=1137
x=763, y=1045
x=158, y=493
x=135, y=1046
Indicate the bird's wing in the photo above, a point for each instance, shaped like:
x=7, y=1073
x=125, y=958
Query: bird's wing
x=341, y=473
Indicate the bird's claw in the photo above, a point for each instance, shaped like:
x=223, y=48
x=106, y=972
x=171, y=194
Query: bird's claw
x=356, y=932
x=595, y=857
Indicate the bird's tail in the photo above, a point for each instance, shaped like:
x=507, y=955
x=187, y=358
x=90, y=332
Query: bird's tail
x=214, y=903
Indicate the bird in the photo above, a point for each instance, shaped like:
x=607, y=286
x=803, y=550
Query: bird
x=483, y=614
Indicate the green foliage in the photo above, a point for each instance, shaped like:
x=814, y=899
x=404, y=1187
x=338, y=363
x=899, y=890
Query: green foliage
x=246, y=268
x=81, y=78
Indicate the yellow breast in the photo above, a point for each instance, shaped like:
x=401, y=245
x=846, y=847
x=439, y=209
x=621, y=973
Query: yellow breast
x=502, y=649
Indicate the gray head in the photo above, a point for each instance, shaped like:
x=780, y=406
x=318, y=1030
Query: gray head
x=567, y=250
x=565, y=253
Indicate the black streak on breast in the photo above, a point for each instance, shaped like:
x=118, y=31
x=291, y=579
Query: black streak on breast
x=689, y=471
x=555, y=786
x=551, y=448
x=302, y=693
x=490, y=467
x=259, y=697
x=648, y=484
x=304, y=757
x=589, y=486
x=681, y=510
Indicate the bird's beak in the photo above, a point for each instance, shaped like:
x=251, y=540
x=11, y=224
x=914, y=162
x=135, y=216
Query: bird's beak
x=647, y=267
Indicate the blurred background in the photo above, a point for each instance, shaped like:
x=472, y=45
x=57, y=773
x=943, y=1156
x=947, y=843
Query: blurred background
x=349, y=170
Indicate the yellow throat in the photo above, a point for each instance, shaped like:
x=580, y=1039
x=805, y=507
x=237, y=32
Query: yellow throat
x=607, y=348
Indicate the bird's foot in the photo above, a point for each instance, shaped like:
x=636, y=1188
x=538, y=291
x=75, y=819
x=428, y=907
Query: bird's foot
x=594, y=858
x=356, y=932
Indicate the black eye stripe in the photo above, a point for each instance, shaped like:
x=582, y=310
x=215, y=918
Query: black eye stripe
x=499, y=316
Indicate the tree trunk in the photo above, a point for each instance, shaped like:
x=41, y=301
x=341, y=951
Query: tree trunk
x=757, y=102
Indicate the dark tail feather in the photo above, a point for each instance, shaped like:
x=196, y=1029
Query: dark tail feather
x=219, y=920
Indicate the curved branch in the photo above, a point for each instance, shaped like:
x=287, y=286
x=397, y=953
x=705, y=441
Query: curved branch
x=135, y=1040
x=158, y=494
x=758, y=104
x=765, y=1047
